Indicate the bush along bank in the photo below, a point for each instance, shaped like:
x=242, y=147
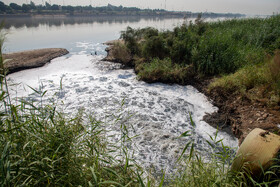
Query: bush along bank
x=234, y=62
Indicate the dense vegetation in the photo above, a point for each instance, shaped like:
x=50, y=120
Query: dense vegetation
x=245, y=47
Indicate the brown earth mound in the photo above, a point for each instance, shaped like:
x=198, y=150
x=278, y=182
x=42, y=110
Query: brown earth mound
x=239, y=115
x=31, y=59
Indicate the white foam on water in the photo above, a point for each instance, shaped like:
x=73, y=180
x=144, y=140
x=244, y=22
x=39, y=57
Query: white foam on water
x=89, y=48
x=161, y=111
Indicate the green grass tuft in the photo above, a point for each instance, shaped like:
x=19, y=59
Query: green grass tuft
x=163, y=71
x=260, y=81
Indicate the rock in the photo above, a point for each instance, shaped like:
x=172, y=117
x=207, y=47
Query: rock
x=265, y=116
x=110, y=56
x=112, y=42
x=259, y=147
x=117, y=52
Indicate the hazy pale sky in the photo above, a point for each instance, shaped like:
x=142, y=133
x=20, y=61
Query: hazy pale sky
x=254, y=7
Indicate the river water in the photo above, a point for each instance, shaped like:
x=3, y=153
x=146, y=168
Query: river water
x=160, y=112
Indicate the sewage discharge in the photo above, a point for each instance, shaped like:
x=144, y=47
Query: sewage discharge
x=157, y=113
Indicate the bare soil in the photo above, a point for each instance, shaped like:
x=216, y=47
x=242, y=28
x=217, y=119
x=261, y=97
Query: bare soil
x=237, y=114
x=31, y=59
x=111, y=51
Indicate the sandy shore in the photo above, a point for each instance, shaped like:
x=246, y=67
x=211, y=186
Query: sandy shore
x=31, y=59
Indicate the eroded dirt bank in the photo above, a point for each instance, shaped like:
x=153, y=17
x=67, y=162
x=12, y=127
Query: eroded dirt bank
x=31, y=59
x=237, y=114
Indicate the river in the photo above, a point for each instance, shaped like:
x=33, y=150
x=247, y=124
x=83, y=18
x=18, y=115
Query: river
x=160, y=112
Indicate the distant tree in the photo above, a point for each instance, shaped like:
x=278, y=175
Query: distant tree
x=8, y=9
x=48, y=6
x=68, y=8
x=2, y=7
x=26, y=8
x=32, y=5
x=55, y=7
x=15, y=6
x=79, y=8
x=87, y=7
x=40, y=7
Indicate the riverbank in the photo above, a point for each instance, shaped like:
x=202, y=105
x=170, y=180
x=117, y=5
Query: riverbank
x=31, y=59
x=237, y=114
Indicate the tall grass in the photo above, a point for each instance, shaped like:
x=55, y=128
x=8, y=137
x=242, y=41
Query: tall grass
x=163, y=71
x=255, y=81
x=236, y=50
x=215, y=170
x=216, y=54
x=213, y=48
x=121, y=53
x=41, y=146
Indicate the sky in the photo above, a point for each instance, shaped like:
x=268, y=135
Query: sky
x=250, y=7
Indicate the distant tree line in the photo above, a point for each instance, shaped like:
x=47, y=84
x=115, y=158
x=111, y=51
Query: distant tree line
x=31, y=8
x=14, y=8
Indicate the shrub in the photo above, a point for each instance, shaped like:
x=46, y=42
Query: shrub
x=274, y=68
x=164, y=71
x=121, y=53
x=129, y=36
x=263, y=79
x=149, y=32
x=244, y=79
x=180, y=52
x=155, y=47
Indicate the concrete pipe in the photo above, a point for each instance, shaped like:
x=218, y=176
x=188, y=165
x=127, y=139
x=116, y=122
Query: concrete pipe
x=258, y=149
